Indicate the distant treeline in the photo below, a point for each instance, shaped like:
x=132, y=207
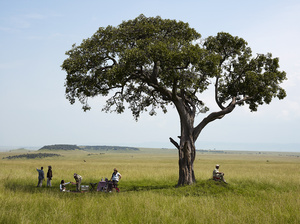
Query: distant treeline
x=32, y=156
x=210, y=151
x=109, y=148
x=87, y=148
x=60, y=147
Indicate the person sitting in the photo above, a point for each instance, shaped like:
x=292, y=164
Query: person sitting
x=62, y=186
x=217, y=175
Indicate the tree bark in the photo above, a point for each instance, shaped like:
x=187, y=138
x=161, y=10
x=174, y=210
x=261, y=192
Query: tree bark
x=187, y=153
x=186, y=148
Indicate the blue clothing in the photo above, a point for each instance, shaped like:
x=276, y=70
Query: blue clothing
x=41, y=174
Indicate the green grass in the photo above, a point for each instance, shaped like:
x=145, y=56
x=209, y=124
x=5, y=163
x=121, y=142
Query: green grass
x=261, y=189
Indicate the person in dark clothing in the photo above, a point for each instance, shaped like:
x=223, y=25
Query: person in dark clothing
x=49, y=176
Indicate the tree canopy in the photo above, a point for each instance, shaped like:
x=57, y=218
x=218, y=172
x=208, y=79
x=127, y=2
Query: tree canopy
x=149, y=63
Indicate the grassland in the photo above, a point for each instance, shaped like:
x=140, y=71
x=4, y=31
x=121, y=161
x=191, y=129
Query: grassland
x=263, y=188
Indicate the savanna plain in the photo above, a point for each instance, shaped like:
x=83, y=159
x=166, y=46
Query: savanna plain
x=262, y=188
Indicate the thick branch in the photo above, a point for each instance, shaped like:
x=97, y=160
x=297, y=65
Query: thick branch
x=113, y=59
x=188, y=104
x=216, y=94
x=155, y=72
x=151, y=80
x=174, y=143
x=213, y=116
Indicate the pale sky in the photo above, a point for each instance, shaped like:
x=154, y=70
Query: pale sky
x=34, y=36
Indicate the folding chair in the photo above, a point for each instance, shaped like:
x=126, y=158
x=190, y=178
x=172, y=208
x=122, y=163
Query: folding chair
x=93, y=185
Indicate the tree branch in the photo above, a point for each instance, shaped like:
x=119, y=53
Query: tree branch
x=113, y=59
x=243, y=100
x=216, y=94
x=174, y=143
x=213, y=116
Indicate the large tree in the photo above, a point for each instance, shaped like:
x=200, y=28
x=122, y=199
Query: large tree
x=150, y=63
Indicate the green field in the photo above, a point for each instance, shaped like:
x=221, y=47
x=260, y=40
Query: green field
x=263, y=188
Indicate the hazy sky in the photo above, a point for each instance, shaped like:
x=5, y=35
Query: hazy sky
x=34, y=36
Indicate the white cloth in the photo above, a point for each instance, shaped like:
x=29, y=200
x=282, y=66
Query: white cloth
x=62, y=186
x=116, y=176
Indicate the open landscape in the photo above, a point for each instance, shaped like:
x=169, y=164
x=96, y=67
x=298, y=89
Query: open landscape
x=263, y=187
x=169, y=89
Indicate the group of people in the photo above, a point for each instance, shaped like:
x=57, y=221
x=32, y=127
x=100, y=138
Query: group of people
x=114, y=180
x=77, y=178
x=41, y=176
x=115, y=177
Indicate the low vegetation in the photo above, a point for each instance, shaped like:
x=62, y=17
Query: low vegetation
x=88, y=148
x=109, y=148
x=32, y=156
x=262, y=188
x=60, y=147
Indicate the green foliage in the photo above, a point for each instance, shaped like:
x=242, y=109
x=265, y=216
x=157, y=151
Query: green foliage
x=151, y=62
x=253, y=80
x=141, y=59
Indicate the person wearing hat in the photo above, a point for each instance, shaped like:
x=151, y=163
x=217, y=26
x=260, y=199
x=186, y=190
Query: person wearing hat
x=217, y=175
x=78, y=179
x=49, y=176
x=115, y=177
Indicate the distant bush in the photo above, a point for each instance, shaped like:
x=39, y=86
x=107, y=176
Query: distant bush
x=60, y=147
x=87, y=148
x=110, y=148
x=210, y=151
x=32, y=156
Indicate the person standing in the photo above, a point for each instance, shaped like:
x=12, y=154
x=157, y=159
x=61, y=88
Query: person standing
x=41, y=176
x=49, y=176
x=78, y=179
x=115, y=178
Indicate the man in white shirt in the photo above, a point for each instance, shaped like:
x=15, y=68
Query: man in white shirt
x=115, y=177
x=217, y=175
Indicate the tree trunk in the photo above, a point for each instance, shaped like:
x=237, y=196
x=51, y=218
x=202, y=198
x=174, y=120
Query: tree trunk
x=186, y=151
x=186, y=148
x=189, y=135
x=187, y=155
